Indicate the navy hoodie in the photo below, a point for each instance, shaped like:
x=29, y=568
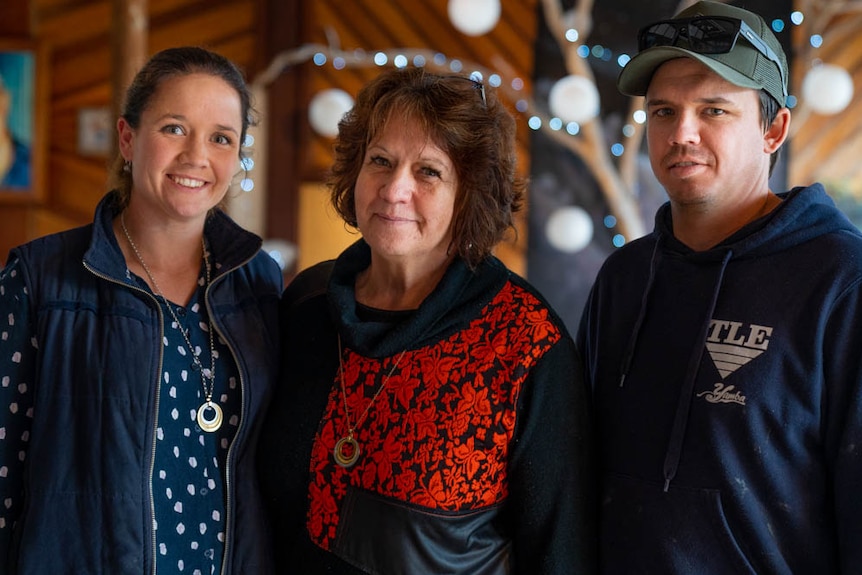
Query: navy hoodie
x=727, y=397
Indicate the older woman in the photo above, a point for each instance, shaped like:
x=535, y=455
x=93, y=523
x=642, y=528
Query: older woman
x=137, y=352
x=432, y=416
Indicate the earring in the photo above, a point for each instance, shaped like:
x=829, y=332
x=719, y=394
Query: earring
x=127, y=167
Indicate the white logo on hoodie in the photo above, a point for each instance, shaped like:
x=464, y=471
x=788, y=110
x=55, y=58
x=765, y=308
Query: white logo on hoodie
x=723, y=394
x=732, y=344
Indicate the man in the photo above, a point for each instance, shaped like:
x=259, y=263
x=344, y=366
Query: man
x=725, y=348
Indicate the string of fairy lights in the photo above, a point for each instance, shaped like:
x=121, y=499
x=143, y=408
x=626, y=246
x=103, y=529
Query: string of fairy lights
x=523, y=105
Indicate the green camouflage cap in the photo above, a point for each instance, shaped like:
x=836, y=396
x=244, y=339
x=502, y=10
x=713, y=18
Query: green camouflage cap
x=743, y=66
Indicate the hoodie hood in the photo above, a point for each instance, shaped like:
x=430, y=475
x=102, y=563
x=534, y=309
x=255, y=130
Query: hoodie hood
x=804, y=213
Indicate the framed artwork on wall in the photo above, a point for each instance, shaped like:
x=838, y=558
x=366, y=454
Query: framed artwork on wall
x=22, y=120
x=95, y=130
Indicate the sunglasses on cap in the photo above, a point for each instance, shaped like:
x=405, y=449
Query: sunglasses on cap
x=707, y=35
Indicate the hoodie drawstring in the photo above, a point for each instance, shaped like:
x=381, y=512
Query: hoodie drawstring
x=677, y=435
x=630, y=348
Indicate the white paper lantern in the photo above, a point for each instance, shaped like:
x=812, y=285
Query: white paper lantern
x=827, y=89
x=326, y=110
x=569, y=229
x=283, y=252
x=474, y=17
x=574, y=99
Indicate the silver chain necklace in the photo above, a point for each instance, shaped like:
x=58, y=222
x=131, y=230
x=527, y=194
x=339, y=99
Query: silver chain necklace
x=209, y=415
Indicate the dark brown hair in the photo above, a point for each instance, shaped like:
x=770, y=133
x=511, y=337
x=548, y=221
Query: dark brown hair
x=769, y=107
x=467, y=121
x=164, y=65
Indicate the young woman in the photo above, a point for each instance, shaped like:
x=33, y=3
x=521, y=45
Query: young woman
x=138, y=352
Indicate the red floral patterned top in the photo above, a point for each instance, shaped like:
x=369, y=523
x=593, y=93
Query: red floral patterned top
x=438, y=434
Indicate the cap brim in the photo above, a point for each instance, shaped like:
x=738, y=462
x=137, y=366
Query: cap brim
x=635, y=78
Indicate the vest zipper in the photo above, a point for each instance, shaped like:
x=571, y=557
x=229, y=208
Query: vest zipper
x=228, y=532
x=152, y=462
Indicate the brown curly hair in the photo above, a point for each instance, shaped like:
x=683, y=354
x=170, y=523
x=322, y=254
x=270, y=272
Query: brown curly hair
x=467, y=121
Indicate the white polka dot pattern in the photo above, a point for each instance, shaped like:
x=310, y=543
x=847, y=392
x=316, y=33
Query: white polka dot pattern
x=188, y=478
x=18, y=349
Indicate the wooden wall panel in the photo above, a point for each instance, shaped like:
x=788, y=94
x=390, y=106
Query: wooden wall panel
x=15, y=20
x=14, y=226
x=75, y=24
x=77, y=186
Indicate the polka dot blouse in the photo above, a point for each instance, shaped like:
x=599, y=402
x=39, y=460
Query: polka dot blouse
x=188, y=473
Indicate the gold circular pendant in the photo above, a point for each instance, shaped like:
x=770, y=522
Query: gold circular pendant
x=346, y=451
x=213, y=423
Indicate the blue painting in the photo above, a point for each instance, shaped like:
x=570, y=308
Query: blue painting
x=17, y=115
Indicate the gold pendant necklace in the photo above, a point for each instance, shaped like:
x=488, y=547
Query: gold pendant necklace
x=209, y=414
x=346, y=452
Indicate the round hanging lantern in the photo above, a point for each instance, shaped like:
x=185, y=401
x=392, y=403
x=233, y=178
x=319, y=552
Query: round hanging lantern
x=283, y=252
x=574, y=99
x=569, y=229
x=827, y=89
x=326, y=110
x=474, y=17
